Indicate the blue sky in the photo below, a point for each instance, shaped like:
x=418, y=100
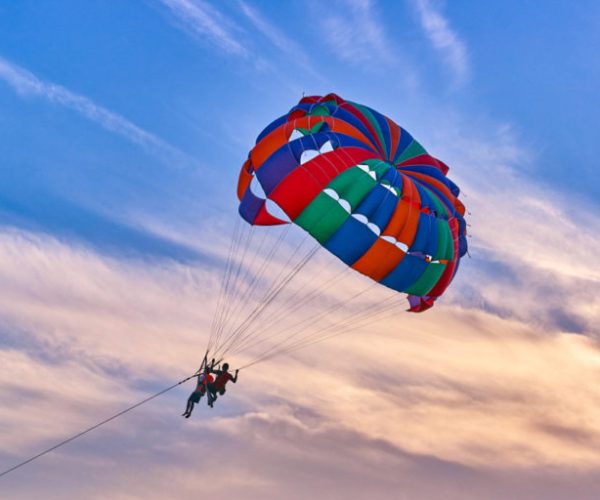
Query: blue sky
x=193, y=87
x=123, y=126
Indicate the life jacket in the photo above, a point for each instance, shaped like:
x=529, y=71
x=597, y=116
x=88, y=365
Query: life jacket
x=203, y=380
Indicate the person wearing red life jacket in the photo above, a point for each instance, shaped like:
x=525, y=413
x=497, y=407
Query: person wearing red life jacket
x=218, y=386
x=204, y=378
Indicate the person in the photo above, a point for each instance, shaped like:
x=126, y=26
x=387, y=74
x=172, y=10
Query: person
x=204, y=378
x=218, y=386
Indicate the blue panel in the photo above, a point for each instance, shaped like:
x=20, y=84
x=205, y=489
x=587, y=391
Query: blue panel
x=426, y=237
x=462, y=224
x=393, y=177
x=371, y=201
x=435, y=173
x=315, y=141
x=462, y=245
x=276, y=168
x=404, y=142
x=271, y=127
x=428, y=170
x=250, y=206
x=385, y=130
x=425, y=198
x=378, y=206
x=454, y=189
x=351, y=241
x=405, y=274
x=385, y=211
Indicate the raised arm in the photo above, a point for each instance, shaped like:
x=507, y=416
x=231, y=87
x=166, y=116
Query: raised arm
x=234, y=378
x=211, y=368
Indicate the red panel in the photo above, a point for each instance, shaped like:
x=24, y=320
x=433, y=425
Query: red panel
x=395, y=137
x=264, y=218
x=425, y=159
x=301, y=186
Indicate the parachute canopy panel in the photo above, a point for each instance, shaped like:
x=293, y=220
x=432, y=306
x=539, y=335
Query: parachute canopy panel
x=364, y=188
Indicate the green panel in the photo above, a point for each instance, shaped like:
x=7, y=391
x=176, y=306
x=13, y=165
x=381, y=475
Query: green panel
x=320, y=110
x=313, y=130
x=353, y=185
x=322, y=217
x=380, y=167
x=414, y=149
x=442, y=248
x=427, y=280
x=439, y=206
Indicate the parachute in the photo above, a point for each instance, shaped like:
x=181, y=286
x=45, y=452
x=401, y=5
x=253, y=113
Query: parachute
x=365, y=191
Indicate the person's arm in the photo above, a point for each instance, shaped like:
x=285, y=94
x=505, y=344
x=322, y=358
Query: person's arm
x=234, y=378
x=210, y=369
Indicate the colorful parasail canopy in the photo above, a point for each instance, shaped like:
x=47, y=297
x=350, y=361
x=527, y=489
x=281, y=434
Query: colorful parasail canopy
x=364, y=188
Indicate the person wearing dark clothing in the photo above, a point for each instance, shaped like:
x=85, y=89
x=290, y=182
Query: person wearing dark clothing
x=218, y=386
x=204, y=378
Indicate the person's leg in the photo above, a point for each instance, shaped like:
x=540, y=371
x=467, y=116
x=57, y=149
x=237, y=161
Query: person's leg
x=188, y=407
x=189, y=412
x=212, y=397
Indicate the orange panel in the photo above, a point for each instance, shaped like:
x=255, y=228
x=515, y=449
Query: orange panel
x=244, y=180
x=379, y=260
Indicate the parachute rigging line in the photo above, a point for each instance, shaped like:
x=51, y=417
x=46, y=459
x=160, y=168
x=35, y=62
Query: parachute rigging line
x=232, y=244
x=245, y=242
x=308, y=320
x=234, y=288
x=93, y=427
x=249, y=342
x=251, y=288
x=267, y=299
x=338, y=330
x=346, y=325
x=299, y=326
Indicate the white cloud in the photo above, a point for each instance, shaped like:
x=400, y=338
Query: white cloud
x=27, y=84
x=202, y=19
x=279, y=39
x=393, y=405
x=533, y=248
x=444, y=39
x=357, y=35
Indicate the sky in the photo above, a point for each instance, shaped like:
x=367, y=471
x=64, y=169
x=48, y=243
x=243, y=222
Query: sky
x=123, y=126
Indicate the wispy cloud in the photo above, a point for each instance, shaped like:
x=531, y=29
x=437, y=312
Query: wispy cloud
x=26, y=84
x=81, y=332
x=202, y=19
x=532, y=247
x=446, y=41
x=354, y=32
x=277, y=38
